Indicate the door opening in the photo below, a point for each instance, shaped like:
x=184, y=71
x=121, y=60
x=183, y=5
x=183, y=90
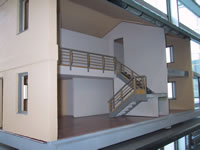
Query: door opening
x=119, y=49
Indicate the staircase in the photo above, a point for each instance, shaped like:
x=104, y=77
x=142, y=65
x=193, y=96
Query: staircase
x=129, y=96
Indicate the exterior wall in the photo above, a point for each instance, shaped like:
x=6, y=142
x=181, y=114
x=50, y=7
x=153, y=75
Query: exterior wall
x=144, y=52
x=91, y=96
x=33, y=51
x=84, y=42
x=182, y=61
x=1, y=102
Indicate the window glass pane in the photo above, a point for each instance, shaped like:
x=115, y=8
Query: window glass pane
x=23, y=92
x=169, y=146
x=174, y=12
x=159, y=4
x=170, y=95
x=198, y=2
x=169, y=54
x=171, y=90
x=195, y=51
x=181, y=143
x=196, y=88
x=188, y=18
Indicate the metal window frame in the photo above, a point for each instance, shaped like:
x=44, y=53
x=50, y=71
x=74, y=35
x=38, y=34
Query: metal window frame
x=171, y=51
x=173, y=90
x=22, y=18
x=20, y=97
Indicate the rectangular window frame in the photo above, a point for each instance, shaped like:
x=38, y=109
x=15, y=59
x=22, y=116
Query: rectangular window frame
x=23, y=15
x=174, y=92
x=21, y=100
x=171, y=52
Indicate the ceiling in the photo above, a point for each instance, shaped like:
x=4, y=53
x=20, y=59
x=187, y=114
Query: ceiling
x=94, y=17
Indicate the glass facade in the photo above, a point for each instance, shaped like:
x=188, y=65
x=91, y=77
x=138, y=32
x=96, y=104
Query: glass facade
x=159, y=4
x=188, y=18
x=198, y=2
x=195, y=53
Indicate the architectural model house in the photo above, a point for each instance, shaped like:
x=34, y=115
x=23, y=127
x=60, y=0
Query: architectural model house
x=66, y=64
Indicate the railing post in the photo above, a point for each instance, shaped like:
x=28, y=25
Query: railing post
x=120, y=70
x=121, y=95
x=134, y=84
x=71, y=59
x=115, y=64
x=88, y=61
x=111, y=106
x=103, y=63
x=131, y=74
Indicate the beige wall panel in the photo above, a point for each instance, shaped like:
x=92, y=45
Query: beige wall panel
x=34, y=51
x=36, y=44
x=1, y=102
x=184, y=86
x=41, y=120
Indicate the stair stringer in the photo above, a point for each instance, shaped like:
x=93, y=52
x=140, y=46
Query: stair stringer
x=134, y=98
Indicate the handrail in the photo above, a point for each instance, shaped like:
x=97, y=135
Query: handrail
x=84, y=52
x=136, y=84
x=76, y=58
x=121, y=67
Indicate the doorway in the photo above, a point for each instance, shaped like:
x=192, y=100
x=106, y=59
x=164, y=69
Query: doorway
x=119, y=50
x=1, y=102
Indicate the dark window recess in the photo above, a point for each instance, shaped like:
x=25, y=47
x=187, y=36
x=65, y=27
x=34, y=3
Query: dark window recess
x=23, y=15
x=23, y=93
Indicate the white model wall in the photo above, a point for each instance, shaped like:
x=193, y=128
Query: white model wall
x=144, y=52
x=91, y=96
x=84, y=42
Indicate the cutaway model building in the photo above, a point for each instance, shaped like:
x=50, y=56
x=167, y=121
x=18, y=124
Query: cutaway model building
x=86, y=74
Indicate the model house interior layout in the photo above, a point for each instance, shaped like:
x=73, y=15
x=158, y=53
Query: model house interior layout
x=72, y=68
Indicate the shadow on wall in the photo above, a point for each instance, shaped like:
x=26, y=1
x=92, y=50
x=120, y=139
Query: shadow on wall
x=4, y=147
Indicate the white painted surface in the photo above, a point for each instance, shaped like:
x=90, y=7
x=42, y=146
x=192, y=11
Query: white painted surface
x=149, y=108
x=80, y=41
x=162, y=103
x=144, y=53
x=65, y=70
x=91, y=96
x=118, y=84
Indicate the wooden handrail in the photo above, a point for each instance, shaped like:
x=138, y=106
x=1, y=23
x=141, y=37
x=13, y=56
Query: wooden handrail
x=82, y=59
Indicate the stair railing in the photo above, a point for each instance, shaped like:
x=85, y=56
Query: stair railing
x=122, y=95
x=124, y=70
x=136, y=85
x=81, y=59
